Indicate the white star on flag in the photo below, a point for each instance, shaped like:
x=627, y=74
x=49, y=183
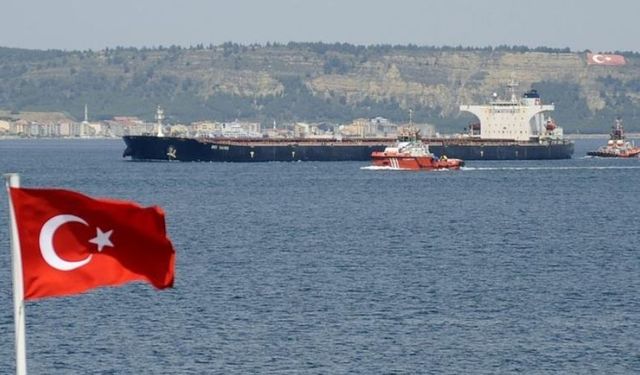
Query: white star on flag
x=102, y=239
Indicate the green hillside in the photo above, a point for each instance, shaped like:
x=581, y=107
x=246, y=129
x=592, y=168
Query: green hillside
x=316, y=82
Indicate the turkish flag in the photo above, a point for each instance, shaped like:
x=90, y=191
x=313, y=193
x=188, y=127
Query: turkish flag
x=602, y=59
x=70, y=242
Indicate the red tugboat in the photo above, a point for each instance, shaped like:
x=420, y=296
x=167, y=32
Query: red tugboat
x=617, y=146
x=410, y=153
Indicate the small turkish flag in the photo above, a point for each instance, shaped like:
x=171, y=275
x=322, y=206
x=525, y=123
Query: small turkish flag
x=70, y=242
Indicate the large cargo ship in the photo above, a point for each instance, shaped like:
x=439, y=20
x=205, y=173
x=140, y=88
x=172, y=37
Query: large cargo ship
x=512, y=129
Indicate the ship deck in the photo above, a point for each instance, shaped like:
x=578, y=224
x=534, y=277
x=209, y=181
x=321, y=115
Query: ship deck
x=297, y=141
x=369, y=141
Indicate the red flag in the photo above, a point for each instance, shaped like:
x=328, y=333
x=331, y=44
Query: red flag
x=600, y=59
x=70, y=242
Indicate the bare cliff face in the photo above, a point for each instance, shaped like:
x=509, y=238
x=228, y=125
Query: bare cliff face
x=315, y=81
x=437, y=81
x=446, y=79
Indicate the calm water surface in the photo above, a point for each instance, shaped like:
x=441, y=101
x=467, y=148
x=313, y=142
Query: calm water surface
x=326, y=268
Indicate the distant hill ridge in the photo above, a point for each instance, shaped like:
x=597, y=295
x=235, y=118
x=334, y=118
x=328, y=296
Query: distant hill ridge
x=316, y=82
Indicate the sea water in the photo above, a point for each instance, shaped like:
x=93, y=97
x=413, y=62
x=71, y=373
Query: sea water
x=329, y=268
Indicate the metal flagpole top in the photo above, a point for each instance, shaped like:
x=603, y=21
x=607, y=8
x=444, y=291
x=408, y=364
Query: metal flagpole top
x=13, y=179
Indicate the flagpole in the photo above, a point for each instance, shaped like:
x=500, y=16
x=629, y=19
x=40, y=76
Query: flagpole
x=13, y=180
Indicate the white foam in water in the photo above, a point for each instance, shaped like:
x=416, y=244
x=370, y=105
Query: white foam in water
x=544, y=168
x=379, y=168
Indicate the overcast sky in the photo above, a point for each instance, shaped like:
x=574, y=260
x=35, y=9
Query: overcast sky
x=598, y=25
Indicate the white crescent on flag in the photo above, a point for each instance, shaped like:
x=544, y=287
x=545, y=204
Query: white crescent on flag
x=46, y=243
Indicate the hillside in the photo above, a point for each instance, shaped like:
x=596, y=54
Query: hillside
x=315, y=82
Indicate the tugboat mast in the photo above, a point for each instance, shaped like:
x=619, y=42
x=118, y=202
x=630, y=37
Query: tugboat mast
x=617, y=130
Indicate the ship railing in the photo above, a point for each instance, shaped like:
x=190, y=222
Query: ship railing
x=492, y=142
x=299, y=141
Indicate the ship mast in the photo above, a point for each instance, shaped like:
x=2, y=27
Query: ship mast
x=617, y=130
x=159, y=118
x=512, y=85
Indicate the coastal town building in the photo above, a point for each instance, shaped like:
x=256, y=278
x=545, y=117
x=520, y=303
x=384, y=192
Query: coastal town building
x=120, y=126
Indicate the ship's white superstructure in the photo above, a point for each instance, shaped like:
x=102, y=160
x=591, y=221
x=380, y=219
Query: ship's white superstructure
x=519, y=119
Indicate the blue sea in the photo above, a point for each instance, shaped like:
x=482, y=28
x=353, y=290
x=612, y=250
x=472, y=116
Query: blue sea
x=328, y=268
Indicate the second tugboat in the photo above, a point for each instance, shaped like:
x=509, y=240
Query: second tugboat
x=411, y=154
x=617, y=146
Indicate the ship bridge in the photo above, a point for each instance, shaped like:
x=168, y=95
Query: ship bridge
x=513, y=119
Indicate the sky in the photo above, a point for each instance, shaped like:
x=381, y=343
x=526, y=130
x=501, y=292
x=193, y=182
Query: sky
x=600, y=25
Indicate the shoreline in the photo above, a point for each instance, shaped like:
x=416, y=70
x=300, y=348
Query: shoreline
x=446, y=136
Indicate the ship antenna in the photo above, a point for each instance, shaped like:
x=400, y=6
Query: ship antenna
x=410, y=117
x=159, y=118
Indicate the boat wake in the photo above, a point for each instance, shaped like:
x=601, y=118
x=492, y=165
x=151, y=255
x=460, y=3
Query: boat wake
x=546, y=168
x=379, y=168
x=605, y=157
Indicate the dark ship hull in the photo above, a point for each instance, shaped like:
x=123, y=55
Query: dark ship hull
x=145, y=147
x=248, y=150
x=503, y=150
